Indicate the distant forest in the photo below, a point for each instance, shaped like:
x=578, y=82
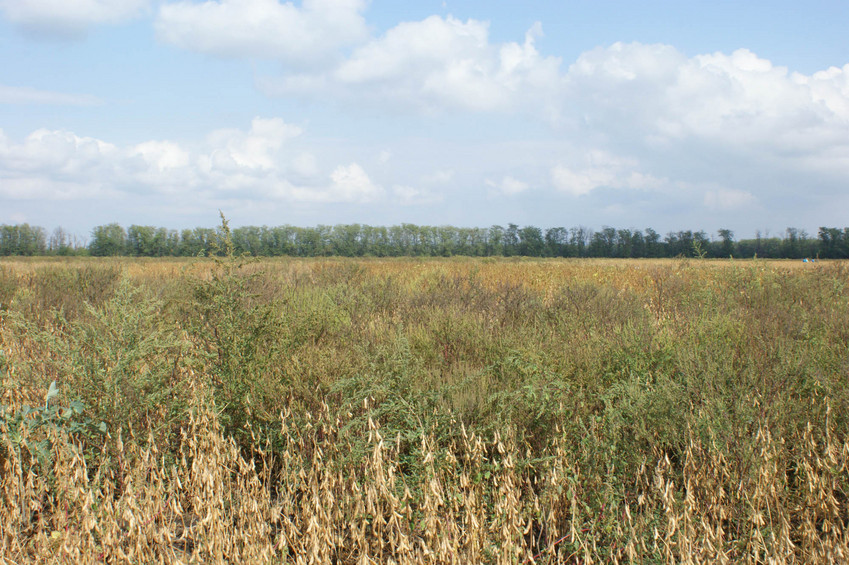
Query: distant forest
x=357, y=240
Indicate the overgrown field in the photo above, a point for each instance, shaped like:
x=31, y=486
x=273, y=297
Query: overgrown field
x=424, y=411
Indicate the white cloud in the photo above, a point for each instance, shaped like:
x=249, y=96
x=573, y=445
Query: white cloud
x=648, y=101
x=415, y=46
x=600, y=169
x=162, y=155
x=62, y=151
x=579, y=182
x=739, y=99
x=29, y=95
x=676, y=117
x=829, y=87
x=162, y=166
x=347, y=184
x=69, y=18
x=258, y=148
x=750, y=129
x=352, y=184
x=714, y=129
x=262, y=164
x=305, y=165
x=437, y=63
x=508, y=186
x=266, y=29
x=718, y=113
x=60, y=165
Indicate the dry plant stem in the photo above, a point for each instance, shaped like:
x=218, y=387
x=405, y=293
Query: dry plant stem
x=403, y=412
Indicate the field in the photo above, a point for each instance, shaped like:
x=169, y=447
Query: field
x=424, y=411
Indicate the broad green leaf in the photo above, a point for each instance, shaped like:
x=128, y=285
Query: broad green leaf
x=51, y=392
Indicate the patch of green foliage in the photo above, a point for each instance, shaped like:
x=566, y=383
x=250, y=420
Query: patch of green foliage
x=32, y=430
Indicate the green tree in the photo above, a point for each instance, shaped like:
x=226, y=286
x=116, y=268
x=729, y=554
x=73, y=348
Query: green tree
x=653, y=245
x=830, y=242
x=511, y=240
x=108, y=240
x=531, y=243
x=346, y=240
x=624, y=243
x=446, y=240
x=726, y=247
x=22, y=239
x=602, y=244
x=495, y=240
x=557, y=242
x=141, y=241
x=579, y=239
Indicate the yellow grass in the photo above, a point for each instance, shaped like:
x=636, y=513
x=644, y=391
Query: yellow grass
x=332, y=461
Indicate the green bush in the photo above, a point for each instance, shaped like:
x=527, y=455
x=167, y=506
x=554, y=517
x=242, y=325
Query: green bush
x=32, y=430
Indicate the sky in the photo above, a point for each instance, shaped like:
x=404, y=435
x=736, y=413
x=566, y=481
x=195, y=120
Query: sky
x=674, y=115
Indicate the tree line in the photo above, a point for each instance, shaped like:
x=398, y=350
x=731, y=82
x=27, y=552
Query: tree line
x=360, y=240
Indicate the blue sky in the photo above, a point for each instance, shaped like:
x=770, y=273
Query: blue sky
x=670, y=115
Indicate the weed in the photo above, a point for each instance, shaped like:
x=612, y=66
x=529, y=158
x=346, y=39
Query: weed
x=438, y=411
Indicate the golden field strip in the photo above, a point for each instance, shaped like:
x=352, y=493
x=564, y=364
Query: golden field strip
x=424, y=411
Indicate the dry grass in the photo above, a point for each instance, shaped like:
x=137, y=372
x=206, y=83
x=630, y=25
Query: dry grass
x=435, y=411
x=473, y=504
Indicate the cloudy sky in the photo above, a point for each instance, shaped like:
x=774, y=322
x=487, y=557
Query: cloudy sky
x=664, y=114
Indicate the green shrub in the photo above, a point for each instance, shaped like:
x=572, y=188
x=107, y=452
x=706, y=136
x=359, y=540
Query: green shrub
x=32, y=430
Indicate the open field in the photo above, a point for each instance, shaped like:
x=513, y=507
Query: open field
x=424, y=411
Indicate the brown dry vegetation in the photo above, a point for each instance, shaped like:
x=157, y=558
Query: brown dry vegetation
x=424, y=411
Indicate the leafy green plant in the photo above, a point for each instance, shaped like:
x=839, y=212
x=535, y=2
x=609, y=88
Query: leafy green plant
x=33, y=429
x=698, y=250
x=121, y=359
x=237, y=332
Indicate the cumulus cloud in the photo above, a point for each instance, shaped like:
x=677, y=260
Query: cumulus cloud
x=350, y=183
x=162, y=155
x=55, y=165
x=63, y=152
x=267, y=29
x=749, y=129
x=68, y=19
x=437, y=63
x=579, y=182
x=163, y=166
x=674, y=119
x=654, y=94
x=262, y=163
x=60, y=165
x=713, y=130
x=257, y=148
x=432, y=61
x=651, y=103
x=740, y=99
